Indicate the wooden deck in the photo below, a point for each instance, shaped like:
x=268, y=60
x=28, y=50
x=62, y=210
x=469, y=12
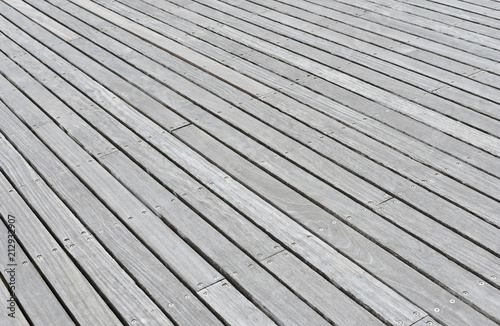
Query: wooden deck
x=250, y=162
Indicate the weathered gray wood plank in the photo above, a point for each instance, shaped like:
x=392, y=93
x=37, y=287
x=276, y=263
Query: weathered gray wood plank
x=238, y=267
x=463, y=15
x=124, y=244
x=384, y=16
x=277, y=308
x=486, y=3
x=79, y=296
x=320, y=293
x=298, y=243
x=470, y=93
x=36, y=298
x=19, y=319
x=106, y=122
x=368, y=46
x=152, y=168
x=315, y=189
x=321, y=223
x=448, y=19
x=363, y=144
x=357, y=85
x=289, y=105
x=439, y=104
x=147, y=105
x=342, y=23
x=43, y=20
x=383, y=54
x=293, y=91
x=417, y=178
x=232, y=305
x=109, y=129
x=339, y=47
x=323, y=168
x=185, y=53
x=159, y=93
x=433, y=25
x=94, y=144
x=431, y=11
x=339, y=17
x=474, y=7
x=339, y=9
x=118, y=288
x=343, y=129
x=278, y=165
x=123, y=69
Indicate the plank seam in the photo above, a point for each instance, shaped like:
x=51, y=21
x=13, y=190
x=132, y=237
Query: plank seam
x=180, y=127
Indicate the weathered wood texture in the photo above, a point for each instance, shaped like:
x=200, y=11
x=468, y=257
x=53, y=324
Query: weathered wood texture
x=251, y=162
x=33, y=295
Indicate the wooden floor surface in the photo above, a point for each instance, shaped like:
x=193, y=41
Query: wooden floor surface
x=250, y=162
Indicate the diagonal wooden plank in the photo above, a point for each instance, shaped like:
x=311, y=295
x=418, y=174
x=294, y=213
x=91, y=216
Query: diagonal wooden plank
x=18, y=318
x=239, y=120
x=286, y=104
x=113, y=283
x=194, y=58
x=320, y=222
x=234, y=308
x=80, y=297
x=256, y=280
x=36, y=298
x=135, y=151
x=53, y=26
x=134, y=255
